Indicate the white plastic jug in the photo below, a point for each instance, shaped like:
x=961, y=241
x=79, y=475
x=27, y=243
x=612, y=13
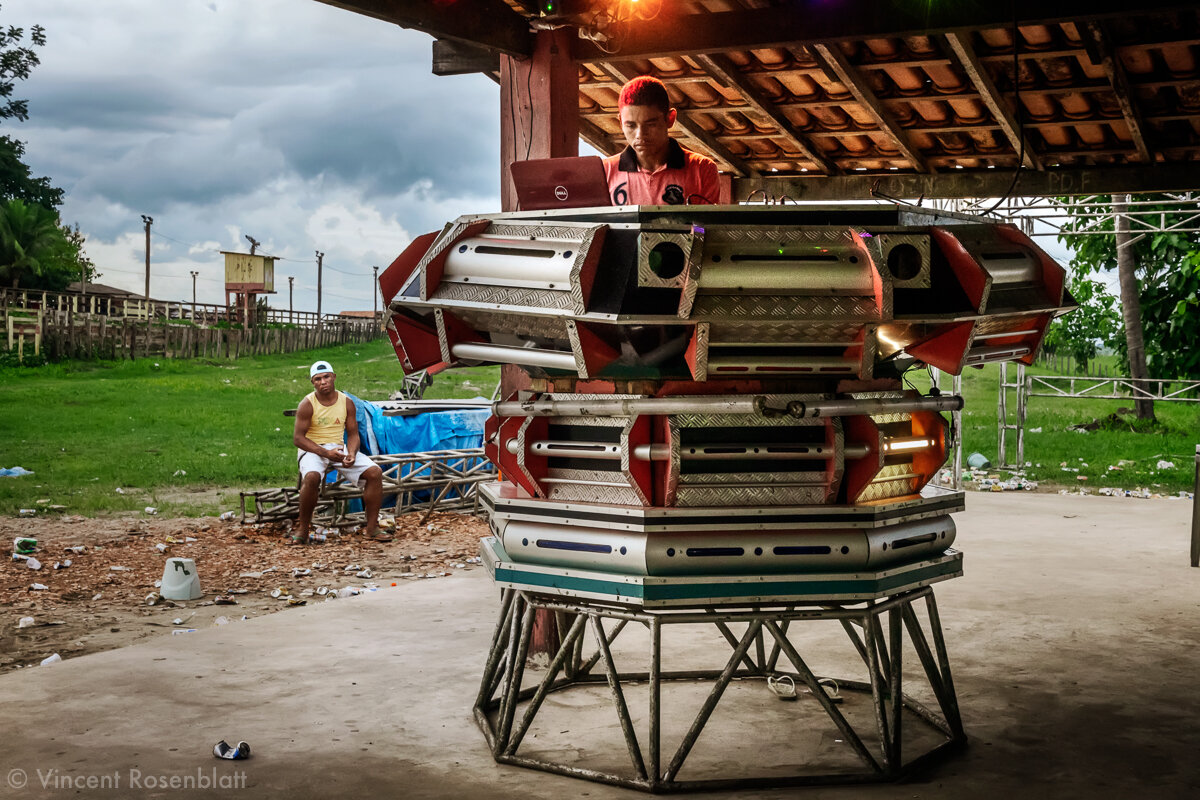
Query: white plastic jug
x=180, y=580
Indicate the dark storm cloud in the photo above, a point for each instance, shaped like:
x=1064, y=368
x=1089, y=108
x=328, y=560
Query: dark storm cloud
x=308, y=126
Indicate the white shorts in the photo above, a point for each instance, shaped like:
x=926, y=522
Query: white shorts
x=311, y=462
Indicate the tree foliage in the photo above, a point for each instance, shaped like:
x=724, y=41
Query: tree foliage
x=1168, y=270
x=16, y=63
x=17, y=181
x=37, y=251
x=1095, y=324
x=31, y=242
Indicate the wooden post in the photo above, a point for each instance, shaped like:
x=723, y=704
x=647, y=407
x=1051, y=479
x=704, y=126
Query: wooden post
x=539, y=107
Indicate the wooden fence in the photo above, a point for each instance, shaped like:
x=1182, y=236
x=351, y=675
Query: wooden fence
x=71, y=326
x=1065, y=365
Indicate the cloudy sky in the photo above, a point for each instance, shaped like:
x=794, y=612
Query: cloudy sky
x=305, y=126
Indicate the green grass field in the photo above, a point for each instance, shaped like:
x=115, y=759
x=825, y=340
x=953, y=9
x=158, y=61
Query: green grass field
x=182, y=436
x=1174, y=439
x=186, y=436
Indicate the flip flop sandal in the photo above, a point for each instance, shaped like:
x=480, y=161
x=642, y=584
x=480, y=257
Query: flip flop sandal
x=782, y=686
x=222, y=749
x=380, y=536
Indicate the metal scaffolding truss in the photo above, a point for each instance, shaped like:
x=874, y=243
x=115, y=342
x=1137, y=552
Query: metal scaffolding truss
x=1047, y=216
x=440, y=479
x=1113, y=388
x=1066, y=386
x=868, y=727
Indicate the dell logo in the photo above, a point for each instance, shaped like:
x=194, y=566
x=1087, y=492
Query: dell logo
x=560, y=192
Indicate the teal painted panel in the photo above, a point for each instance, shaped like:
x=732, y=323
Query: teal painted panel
x=610, y=588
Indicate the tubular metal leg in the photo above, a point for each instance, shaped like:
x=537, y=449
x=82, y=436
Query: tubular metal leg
x=497, y=704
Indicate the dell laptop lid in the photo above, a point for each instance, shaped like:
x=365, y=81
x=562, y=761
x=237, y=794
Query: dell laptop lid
x=552, y=183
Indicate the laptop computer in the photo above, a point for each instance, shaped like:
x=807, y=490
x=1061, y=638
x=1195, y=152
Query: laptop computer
x=552, y=183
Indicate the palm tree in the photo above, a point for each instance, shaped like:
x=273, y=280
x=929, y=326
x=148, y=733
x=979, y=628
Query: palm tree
x=30, y=238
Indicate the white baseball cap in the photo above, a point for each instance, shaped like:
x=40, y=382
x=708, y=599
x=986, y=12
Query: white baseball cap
x=319, y=367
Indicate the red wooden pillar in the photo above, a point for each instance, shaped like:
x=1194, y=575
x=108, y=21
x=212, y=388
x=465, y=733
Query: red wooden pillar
x=539, y=118
x=539, y=106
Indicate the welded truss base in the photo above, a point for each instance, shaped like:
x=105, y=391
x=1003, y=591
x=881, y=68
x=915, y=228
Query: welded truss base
x=438, y=480
x=873, y=725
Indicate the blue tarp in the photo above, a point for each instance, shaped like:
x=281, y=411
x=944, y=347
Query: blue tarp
x=419, y=433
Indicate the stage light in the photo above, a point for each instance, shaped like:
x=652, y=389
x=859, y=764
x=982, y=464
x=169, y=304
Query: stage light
x=907, y=443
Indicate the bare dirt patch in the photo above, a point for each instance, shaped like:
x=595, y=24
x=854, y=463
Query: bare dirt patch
x=89, y=606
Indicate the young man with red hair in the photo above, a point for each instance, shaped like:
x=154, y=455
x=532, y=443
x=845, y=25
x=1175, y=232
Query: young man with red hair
x=654, y=169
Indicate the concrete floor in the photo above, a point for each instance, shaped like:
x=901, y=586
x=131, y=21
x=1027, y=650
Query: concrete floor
x=1073, y=638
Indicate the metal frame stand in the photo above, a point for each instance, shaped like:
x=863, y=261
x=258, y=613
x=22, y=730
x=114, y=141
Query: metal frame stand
x=875, y=628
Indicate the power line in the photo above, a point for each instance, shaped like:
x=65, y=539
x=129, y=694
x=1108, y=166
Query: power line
x=351, y=274
x=162, y=235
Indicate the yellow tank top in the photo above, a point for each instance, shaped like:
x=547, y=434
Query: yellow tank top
x=328, y=424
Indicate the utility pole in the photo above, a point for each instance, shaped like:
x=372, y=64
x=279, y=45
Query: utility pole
x=194, y=274
x=149, y=221
x=375, y=294
x=291, y=280
x=254, y=243
x=320, y=258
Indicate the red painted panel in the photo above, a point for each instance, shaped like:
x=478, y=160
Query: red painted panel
x=689, y=355
x=926, y=463
x=859, y=472
x=458, y=331
x=946, y=347
x=534, y=467
x=597, y=354
x=641, y=472
x=970, y=274
x=417, y=342
x=392, y=279
x=587, y=272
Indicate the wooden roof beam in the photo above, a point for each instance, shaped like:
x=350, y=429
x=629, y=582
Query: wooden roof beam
x=594, y=135
x=691, y=127
x=452, y=57
x=1051, y=182
x=679, y=34
x=832, y=57
x=968, y=59
x=485, y=23
x=1123, y=89
x=723, y=69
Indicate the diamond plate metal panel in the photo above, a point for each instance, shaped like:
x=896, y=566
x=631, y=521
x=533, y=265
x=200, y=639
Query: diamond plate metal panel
x=831, y=236
x=648, y=240
x=592, y=475
x=694, y=496
x=515, y=324
x=799, y=331
x=712, y=307
x=890, y=482
x=612, y=495
x=881, y=245
x=532, y=229
x=763, y=478
x=703, y=338
x=516, y=299
x=449, y=233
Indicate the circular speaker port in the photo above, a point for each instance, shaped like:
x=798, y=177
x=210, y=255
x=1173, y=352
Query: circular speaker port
x=904, y=262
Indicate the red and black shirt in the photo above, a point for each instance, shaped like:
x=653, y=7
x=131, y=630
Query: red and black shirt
x=687, y=177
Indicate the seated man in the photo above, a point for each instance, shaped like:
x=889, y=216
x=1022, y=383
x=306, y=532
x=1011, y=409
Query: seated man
x=326, y=435
x=654, y=169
